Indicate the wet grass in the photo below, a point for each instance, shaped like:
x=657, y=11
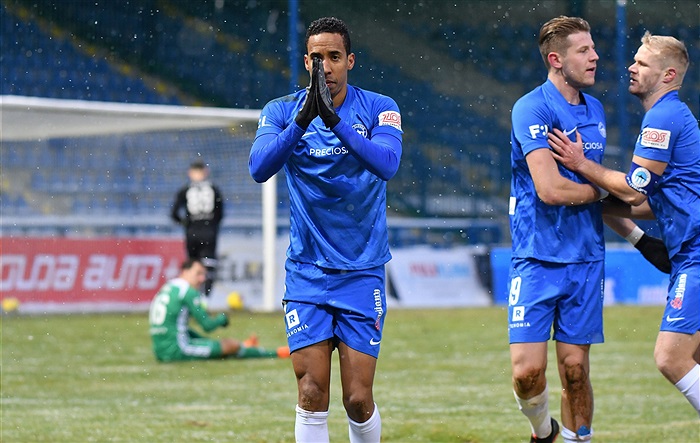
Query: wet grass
x=443, y=376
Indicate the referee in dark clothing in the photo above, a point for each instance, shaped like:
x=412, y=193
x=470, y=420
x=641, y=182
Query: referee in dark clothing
x=199, y=207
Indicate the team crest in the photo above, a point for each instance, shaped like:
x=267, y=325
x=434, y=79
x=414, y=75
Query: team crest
x=360, y=128
x=602, y=130
x=640, y=177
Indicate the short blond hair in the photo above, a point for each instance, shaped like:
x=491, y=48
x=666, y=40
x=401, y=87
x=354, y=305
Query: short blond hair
x=554, y=34
x=672, y=52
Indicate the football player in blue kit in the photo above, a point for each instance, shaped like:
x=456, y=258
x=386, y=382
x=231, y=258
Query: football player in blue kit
x=663, y=182
x=557, y=267
x=338, y=145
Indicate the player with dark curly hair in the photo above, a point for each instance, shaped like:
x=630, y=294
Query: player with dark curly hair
x=338, y=145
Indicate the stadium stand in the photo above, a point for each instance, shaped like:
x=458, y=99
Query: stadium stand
x=39, y=59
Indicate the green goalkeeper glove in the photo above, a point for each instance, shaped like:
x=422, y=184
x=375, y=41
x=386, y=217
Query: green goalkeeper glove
x=309, y=110
x=323, y=98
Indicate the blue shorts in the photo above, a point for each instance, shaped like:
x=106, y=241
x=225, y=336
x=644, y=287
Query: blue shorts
x=566, y=296
x=345, y=306
x=682, y=313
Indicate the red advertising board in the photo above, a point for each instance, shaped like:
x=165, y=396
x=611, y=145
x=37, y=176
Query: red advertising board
x=105, y=272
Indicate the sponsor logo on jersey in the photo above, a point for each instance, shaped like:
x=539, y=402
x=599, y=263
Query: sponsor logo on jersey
x=595, y=146
x=390, y=118
x=517, y=320
x=518, y=313
x=570, y=131
x=292, y=318
x=360, y=129
x=378, y=309
x=655, y=138
x=323, y=152
x=536, y=130
x=677, y=301
x=294, y=323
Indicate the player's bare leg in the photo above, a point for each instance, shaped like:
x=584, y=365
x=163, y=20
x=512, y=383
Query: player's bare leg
x=312, y=367
x=357, y=378
x=676, y=356
x=577, y=392
x=529, y=366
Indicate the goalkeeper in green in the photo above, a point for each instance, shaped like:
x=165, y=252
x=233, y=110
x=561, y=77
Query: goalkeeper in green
x=173, y=340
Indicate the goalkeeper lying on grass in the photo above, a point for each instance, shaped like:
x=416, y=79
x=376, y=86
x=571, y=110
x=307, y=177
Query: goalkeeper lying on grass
x=169, y=316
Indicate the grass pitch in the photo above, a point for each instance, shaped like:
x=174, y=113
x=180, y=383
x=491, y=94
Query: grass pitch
x=443, y=376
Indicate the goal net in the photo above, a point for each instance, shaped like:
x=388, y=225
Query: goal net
x=84, y=169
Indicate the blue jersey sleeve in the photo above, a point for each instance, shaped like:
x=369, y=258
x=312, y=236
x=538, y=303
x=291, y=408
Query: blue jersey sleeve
x=670, y=134
x=660, y=128
x=531, y=122
x=274, y=141
x=380, y=155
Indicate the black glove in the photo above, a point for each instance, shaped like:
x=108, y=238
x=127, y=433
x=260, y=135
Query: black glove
x=654, y=250
x=309, y=110
x=323, y=98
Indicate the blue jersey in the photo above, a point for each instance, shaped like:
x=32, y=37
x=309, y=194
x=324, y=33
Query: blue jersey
x=336, y=179
x=670, y=134
x=561, y=234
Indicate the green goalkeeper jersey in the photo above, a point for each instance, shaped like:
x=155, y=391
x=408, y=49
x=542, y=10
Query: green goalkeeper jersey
x=169, y=317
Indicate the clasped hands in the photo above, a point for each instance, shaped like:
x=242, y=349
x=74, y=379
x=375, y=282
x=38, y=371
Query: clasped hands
x=318, y=101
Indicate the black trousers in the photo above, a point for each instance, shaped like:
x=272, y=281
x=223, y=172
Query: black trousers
x=201, y=244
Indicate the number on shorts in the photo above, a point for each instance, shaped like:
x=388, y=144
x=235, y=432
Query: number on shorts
x=514, y=295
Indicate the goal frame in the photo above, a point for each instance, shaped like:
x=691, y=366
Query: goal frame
x=30, y=118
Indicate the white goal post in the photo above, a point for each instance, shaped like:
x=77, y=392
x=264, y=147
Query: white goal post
x=28, y=120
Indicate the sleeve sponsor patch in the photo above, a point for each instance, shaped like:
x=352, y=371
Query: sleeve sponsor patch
x=655, y=138
x=391, y=118
x=538, y=130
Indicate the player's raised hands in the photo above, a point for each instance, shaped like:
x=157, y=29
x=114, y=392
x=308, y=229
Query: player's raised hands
x=568, y=153
x=324, y=99
x=309, y=110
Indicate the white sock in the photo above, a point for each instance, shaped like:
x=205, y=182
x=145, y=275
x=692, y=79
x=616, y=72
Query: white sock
x=536, y=409
x=570, y=436
x=689, y=386
x=367, y=432
x=311, y=427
